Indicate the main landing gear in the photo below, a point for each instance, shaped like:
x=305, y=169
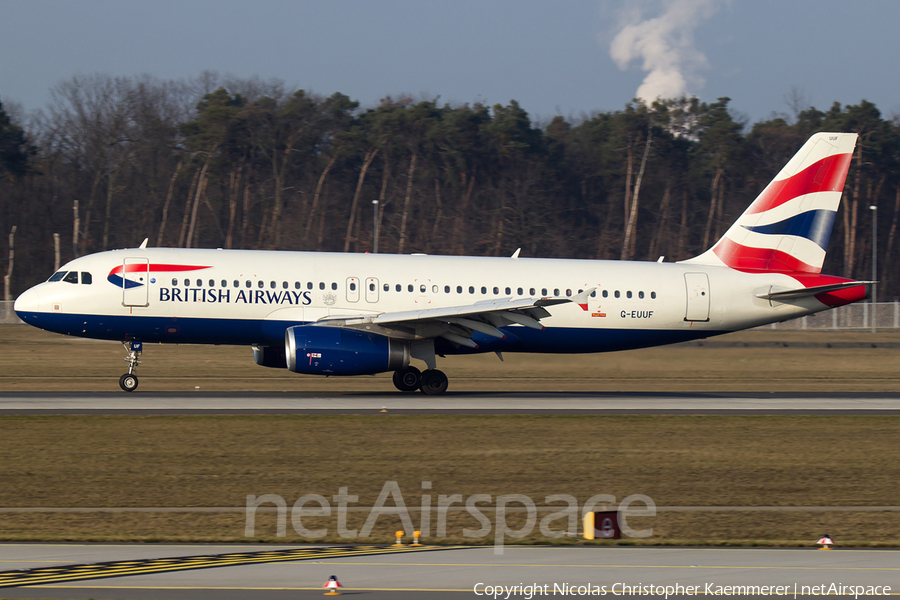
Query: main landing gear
x=129, y=381
x=432, y=382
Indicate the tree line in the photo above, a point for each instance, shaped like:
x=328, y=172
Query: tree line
x=245, y=163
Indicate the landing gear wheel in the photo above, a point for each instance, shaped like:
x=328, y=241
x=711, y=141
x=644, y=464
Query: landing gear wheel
x=434, y=382
x=407, y=380
x=128, y=382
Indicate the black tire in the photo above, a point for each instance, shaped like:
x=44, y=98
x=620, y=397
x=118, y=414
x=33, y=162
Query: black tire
x=434, y=382
x=128, y=382
x=408, y=379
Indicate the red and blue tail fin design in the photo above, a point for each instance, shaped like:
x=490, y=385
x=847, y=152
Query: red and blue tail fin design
x=787, y=227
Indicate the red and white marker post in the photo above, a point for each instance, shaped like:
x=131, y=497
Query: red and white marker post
x=333, y=585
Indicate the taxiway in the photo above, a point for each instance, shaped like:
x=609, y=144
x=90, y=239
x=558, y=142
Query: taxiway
x=445, y=573
x=24, y=403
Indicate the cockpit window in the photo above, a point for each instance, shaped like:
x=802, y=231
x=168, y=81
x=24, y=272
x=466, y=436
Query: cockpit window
x=86, y=278
x=71, y=277
x=57, y=276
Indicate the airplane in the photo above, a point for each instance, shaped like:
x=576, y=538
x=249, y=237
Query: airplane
x=339, y=314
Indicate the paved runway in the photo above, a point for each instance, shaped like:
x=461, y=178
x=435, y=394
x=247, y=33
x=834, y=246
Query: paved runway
x=450, y=403
x=453, y=573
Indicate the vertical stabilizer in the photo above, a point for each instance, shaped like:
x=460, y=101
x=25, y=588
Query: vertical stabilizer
x=787, y=227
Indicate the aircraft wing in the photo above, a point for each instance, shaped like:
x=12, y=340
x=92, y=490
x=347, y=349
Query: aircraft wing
x=459, y=323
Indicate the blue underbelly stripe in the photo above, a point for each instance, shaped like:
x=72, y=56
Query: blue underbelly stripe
x=244, y=332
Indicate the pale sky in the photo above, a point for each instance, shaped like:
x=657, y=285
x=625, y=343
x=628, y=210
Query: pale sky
x=552, y=57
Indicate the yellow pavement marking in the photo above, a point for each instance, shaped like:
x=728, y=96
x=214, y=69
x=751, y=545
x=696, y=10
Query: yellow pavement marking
x=76, y=572
x=613, y=566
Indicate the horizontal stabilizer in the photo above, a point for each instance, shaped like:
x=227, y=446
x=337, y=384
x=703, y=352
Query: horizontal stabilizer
x=810, y=291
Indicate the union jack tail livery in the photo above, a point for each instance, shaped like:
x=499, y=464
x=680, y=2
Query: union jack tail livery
x=787, y=227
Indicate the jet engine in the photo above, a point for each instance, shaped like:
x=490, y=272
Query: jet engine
x=322, y=350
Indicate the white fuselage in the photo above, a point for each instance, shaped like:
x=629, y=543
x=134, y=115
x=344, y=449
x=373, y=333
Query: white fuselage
x=252, y=297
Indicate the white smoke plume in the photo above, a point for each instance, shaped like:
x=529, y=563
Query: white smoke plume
x=664, y=44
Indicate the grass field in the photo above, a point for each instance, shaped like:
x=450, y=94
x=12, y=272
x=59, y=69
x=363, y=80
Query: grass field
x=209, y=461
x=216, y=461
x=753, y=361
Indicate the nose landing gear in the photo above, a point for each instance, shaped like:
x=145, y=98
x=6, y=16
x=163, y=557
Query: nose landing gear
x=129, y=381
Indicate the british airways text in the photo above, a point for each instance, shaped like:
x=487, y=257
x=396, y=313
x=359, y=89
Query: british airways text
x=242, y=296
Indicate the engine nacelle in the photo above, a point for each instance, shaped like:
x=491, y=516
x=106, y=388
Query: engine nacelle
x=270, y=356
x=322, y=350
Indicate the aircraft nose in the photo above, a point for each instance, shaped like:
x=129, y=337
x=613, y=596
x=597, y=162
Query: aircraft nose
x=28, y=302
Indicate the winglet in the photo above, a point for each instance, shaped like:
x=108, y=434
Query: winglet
x=582, y=298
x=143, y=245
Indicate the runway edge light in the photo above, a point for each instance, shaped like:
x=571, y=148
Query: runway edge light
x=399, y=535
x=825, y=542
x=332, y=585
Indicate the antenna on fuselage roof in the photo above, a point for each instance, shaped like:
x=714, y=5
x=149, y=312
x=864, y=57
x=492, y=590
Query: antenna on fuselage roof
x=143, y=245
x=516, y=254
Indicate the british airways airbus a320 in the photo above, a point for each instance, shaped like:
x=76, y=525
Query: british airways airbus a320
x=357, y=314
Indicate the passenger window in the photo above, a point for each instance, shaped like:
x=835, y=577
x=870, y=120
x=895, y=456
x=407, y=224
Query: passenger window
x=446, y=289
x=248, y=284
x=606, y=293
x=410, y=287
x=387, y=287
x=483, y=290
x=531, y=291
x=556, y=292
x=653, y=295
x=459, y=289
x=296, y=285
x=594, y=294
x=617, y=294
x=568, y=292
x=174, y=281
x=272, y=284
x=352, y=287
x=398, y=287
x=333, y=286
x=544, y=292
x=321, y=285
x=422, y=288
x=199, y=283
x=641, y=295
x=57, y=276
x=260, y=284
x=496, y=290
x=86, y=278
x=224, y=283
x=71, y=277
x=520, y=292
x=236, y=283
x=371, y=287
x=212, y=283
x=628, y=294
x=187, y=283
x=471, y=289
x=434, y=289
x=284, y=284
x=309, y=285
